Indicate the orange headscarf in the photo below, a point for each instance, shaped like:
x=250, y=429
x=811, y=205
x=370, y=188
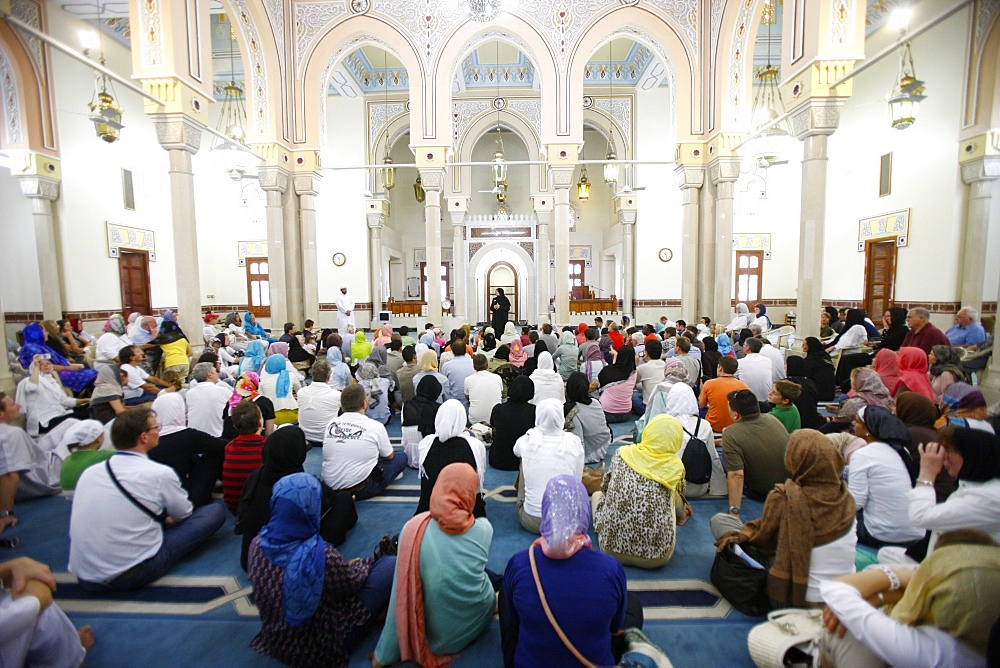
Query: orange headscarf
x=452, y=501
x=913, y=371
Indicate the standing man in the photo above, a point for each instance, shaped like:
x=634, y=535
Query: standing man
x=500, y=308
x=345, y=311
x=967, y=332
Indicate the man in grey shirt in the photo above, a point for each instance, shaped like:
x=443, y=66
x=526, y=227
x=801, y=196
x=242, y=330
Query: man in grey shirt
x=457, y=370
x=551, y=340
x=406, y=373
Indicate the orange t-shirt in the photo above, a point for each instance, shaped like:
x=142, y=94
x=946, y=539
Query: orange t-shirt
x=714, y=393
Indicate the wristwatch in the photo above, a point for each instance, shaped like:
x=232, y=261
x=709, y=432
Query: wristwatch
x=734, y=510
x=6, y=513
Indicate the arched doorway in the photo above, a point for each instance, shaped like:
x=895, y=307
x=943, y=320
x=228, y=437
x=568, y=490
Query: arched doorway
x=501, y=275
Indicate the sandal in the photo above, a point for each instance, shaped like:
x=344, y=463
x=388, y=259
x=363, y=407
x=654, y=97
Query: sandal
x=387, y=547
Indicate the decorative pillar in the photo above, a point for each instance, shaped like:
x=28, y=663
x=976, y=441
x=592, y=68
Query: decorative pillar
x=6, y=379
x=378, y=213
x=979, y=174
x=706, y=253
x=39, y=182
x=543, y=206
x=180, y=135
x=626, y=206
x=562, y=180
x=723, y=172
x=813, y=123
x=691, y=179
x=293, y=261
x=274, y=182
x=307, y=187
x=458, y=207
x=432, y=178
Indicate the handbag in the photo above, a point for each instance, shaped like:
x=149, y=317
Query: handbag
x=548, y=613
x=744, y=586
x=593, y=476
x=770, y=641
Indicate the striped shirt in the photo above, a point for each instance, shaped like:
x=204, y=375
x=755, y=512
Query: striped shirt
x=243, y=455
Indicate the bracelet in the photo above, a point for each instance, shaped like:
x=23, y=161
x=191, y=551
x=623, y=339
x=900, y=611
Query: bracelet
x=928, y=483
x=6, y=513
x=889, y=573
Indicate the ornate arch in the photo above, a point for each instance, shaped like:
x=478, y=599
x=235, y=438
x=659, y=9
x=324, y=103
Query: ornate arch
x=27, y=108
x=483, y=124
x=734, y=63
x=982, y=90
x=528, y=271
x=261, y=55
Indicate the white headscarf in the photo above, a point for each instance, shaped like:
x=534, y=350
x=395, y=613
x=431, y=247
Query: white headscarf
x=545, y=362
x=450, y=420
x=741, y=309
x=549, y=416
x=509, y=333
x=420, y=349
x=680, y=401
x=171, y=413
x=82, y=433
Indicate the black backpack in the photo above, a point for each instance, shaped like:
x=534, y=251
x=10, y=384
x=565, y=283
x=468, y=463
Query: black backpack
x=697, y=462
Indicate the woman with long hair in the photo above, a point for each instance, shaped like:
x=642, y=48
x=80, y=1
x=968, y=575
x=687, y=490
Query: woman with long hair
x=819, y=367
x=510, y=421
x=617, y=382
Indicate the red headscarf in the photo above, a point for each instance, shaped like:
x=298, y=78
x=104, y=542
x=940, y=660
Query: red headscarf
x=581, y=333
x=913, y=371
x=887, y=367
x=452, y=501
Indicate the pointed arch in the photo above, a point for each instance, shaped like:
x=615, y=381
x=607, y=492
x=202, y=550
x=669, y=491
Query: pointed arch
x=484, y=123
x=26, y=101
x=982, y=89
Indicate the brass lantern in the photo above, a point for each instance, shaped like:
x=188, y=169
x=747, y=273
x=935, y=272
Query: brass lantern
x=583, y=185
x=106, y=115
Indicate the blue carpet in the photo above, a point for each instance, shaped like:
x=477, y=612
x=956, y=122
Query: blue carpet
x=203, y=614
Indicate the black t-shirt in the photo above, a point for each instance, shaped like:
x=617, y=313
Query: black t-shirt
x=266, y=412
x=440, y=455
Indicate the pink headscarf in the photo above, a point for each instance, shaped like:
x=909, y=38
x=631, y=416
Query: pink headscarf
x=246, y=388
x=384, y=336
x=913, y=371
x=278, y=348
x=517, y=355
x=887, y=367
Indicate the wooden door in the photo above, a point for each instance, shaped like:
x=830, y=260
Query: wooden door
x=133, y=270
x=880, y=277
x=258, y=286
x=749, y=276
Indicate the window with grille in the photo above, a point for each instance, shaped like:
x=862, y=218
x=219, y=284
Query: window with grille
x=258, y=287
x=749, y=273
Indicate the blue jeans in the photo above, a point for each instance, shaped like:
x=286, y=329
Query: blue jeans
x=178, y=540
x=390, y=469
x=374, y=596
x=617, y=417
x=638, y=406
x=145, y=397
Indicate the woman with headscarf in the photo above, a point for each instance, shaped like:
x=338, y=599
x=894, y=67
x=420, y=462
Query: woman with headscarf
x=640, y=504
x=299, y=355
x=510, y=421
x=440, y=569
x=133, y=324
x=429, y=367
x=279, y=385
x=500, y=364
x=315, y=607
x=548, y=383
x=592, y=617
x=500, y=312
x=819, y=367
x=963, y=405
x=895, y=329
x=361, y=347
x=450, y=443
x=674, y=372
x=340, y=373
x=795, y=368
x=941, y=614
x=517, y=357
x=383, y=335
x=254, y=357
x=944, y=369
x=107, y=399
x=44, y=401
x=488, y=347
x=545, y=451
x=531, y=363
x=253, y=330
x=682, y=405
x=567, y=355
x=585, y=417
x=742, y=319
x=617, y=382
x=710, y=358
x=247, y=389
x=580, y=335
x=868, y=386
x=374, y=375
x=807, y=523
x=284, y=454
x=75, y=377
x=174, y=345
x=882, y=473
x=913, y=372
x=886, y=365
x=509, y=333
x=593, y=363
x=419, y=414
x=112, y=339
x=761, y=319
x=195, y=456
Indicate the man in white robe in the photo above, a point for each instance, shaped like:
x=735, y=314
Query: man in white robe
x=345, y=311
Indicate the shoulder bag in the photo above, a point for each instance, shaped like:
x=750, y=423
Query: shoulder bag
x=160, y=519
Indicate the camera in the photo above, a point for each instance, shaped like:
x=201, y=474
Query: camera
x=45, y=356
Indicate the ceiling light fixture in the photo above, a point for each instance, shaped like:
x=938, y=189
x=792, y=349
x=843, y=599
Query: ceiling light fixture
x=388, y=173
x=105, y=114
x=905, y=97
x=499, y=159
x=583, y=185
x=611, y=167
x=768, y=106
x=233, y=152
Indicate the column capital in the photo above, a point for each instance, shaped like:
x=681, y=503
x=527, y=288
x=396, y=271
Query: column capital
x=431, y=178
x=817, y=116
x=979, y=157
x=626, y=206
x=39, y=187
x=543, y=203
x=983, y=168
x=376, y=211
x=562, y=176
x=690, y=176
x=31, y=163
x=273, y=179
x=724, y=170
x=306, y=183
x=458, y=207
x=177, y=131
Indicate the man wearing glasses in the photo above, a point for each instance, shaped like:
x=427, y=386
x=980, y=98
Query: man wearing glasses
x=131, y=519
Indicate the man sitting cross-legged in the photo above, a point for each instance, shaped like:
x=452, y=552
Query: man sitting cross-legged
x=131, y=519
x=26, y=471
x=357, y=455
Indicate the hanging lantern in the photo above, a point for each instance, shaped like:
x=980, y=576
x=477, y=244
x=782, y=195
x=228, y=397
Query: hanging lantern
x=611, y=167
x=388, y=174
x=418, y=190
x=905, y=97
x=499, y=164
x=583, y=186
x=106, y=115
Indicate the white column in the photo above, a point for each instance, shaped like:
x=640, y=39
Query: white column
x=378, y=212
x=42, y=191
x=293, y=260
x=724, y=173
x=274, y=182
x=181, y=136
x=626, y=207
x=6, y=379
x=562, y=180
x=979, y=175
x=706, y=253
x=543, y=214
x=307, y=187
x=460, y=262
x=691, y=178
x=432, y=178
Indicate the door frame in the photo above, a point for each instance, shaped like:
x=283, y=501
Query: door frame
x=126, y=308
x=258, y=311
x=891, y=296
x=490, y=290
x=760, y=276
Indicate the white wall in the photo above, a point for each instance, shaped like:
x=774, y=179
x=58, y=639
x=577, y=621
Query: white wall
x=19, y=287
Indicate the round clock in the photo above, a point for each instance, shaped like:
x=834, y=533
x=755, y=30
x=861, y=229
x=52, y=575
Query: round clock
x=339, y=259
x=666, y=255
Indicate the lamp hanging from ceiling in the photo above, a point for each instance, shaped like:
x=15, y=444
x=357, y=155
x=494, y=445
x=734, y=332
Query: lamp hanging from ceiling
x=768, y=106
x=233, y=152
x=106, y=115
x=583, y=185
x=418, y=190
x=388, y=172
x=499, y=159
x=905, y=97
x=611, y=167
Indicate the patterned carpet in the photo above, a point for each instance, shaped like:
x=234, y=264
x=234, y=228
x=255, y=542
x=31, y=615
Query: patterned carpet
x=203, y=613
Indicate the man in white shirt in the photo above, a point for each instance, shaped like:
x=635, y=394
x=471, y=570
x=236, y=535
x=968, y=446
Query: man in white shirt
x=141, y=387
x=771, y=353
x=357, y=455
x=457, y=370
x=318, y=404
x=206, y=400
x=25, y=469
x=756, y=370
x=647, y=375
x=345, y=311
x=126, y=535
x=483, y=390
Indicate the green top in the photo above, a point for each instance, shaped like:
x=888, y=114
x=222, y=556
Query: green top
x=78, y=462
x=458, y=598
x=788, y=416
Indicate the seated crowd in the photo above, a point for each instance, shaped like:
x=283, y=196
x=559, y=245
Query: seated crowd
x=143, y=437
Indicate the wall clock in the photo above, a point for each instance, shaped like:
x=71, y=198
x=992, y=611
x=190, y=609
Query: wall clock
x=666, y=255
x=339, y=259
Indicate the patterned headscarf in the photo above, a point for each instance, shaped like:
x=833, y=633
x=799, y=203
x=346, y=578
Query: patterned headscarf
x=565, y=517
x=247, y=387
x=675, y=371
x=114, y=324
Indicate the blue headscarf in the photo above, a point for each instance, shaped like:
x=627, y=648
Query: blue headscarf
x=34, y=344
x=334, y=355
x=251, y=328
x=762, y=311
x=275, y=364
x=253, y=357
x=725, y=345
x=291, y=541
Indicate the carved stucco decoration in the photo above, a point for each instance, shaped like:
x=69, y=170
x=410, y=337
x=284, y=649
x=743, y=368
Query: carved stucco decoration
x=28, y=12
x=39, y=187
x=11, y=106
x=380, y=114
x=151, y=33
x=985, y=11
x=529, y=248
x=276, y=14
x=530, y=109
x=841, y=22
x=427, y=21
x=738, y=54
x=620, y=109
x=462, y=112
x=685, y=16
x=816, y=118
x=311, y=20
x=258, y=67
